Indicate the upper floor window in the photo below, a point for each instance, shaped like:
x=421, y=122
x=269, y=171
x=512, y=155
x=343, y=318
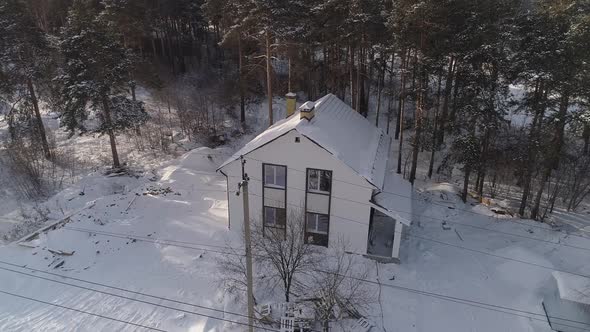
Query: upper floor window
x=319, y=180
x=275, y=176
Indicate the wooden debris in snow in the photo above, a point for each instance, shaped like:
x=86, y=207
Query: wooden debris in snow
x=61, y=252
x=459, y=235
x=53, y=225
x=132, y=200
x=27, y=244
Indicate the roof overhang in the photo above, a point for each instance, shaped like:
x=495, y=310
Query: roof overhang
x=390, y=213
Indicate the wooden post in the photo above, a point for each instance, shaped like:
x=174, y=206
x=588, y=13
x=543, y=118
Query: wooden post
x=244, y=188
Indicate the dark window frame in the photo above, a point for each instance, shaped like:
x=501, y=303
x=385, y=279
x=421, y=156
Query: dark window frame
x=329, y=194
x=308, y=233
x=318, y=191
x=275, y=225
x=263, y=180
x=273, y=186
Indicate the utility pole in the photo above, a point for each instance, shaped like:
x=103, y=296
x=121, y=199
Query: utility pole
x=243, y=186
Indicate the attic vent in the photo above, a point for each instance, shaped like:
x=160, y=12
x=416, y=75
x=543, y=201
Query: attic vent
x=307, y=111
x=297, y=139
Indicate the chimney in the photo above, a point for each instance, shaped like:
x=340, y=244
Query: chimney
x=291, y=104
x=307, y=110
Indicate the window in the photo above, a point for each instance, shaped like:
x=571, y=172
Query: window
x=316, y=229
x=275, y=176
x=319, y=180
x=274, y=217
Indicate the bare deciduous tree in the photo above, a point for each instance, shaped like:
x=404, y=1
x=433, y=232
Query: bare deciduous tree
x=280, y=252
x=338, y=285
x=284, y=250
x=330, y=277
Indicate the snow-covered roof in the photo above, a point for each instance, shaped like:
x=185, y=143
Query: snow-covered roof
x=396, y=198
x=572, y=287
x=340, y=130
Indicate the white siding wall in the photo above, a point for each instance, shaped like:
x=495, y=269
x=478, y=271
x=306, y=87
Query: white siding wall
x=298, y=157
x=318, y=203
x=273, y=197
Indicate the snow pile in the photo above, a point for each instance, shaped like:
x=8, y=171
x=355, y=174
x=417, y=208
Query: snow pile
x=567, y=303
x=573, y=288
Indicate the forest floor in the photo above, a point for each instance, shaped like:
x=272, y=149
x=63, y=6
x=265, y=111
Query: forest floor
x=144, y=254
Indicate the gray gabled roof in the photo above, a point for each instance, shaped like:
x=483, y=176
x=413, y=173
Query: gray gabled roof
x=340, y=130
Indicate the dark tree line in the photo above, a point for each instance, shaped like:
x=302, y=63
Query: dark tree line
x=439, y=71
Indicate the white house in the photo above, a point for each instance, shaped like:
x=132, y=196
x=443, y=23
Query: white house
x=329, y=161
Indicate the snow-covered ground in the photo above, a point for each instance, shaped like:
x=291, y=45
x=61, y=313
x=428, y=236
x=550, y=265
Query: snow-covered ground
x=90, y=154
x=159, y=248
x=146, y=252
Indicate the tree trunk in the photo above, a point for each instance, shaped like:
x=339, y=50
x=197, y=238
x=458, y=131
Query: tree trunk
x=422, y=87
x=379, y=88
x=481, y=174
x=402, y=92
x=359, y=85
x=351, y=72
x=418, y=125
x=445, y=107
x=390, y=99
x=269, y=79
x=537, y=204
x=586, y=137
x=241, y=81
x=134, y=98
x=434, y=130
x=400, y=122
x=289, y=79
x=532, y=149
x=553, y=160
x=40, y=126
x=111, y=133
x=482, y=178
x=153, y=42
x=466, y=183
x=367, y=77
x=455, y=95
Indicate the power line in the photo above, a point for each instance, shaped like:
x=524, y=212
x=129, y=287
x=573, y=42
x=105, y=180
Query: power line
x=417, y=200
x=82, y=311
x=447, y=221
x=155, y=241
x=126, y=236
x=111, y=287
x=145, y=302
x=474, y=303
x=497, y=256
x=442, y=243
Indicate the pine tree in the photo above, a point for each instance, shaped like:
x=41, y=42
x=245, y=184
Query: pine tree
x=24, y=53
x=567, y=27
x=97, y=67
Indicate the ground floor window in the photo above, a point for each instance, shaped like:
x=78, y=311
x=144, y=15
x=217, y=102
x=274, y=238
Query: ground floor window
x=316, y=229
x=275, y=218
